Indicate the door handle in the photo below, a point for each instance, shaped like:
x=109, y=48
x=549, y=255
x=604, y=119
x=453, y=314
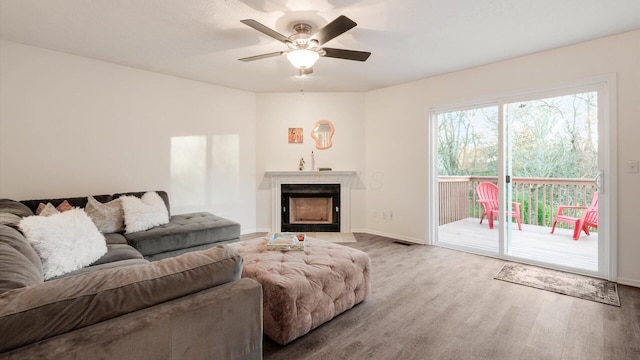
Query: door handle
x=599, y=181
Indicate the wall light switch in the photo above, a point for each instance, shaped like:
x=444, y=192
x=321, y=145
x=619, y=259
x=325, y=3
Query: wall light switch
x=633, y=167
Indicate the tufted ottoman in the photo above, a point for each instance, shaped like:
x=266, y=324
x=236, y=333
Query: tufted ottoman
x=304, y=289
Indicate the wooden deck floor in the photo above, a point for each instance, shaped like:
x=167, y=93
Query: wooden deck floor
x=533, y=243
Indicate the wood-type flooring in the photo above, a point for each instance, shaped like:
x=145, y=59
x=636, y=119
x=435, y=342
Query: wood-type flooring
x=429, y=302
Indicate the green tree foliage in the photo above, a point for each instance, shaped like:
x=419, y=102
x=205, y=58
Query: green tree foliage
x=550, y=138
x=468, y=142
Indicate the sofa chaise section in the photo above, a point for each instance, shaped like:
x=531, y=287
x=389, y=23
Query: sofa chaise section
x=183, y=233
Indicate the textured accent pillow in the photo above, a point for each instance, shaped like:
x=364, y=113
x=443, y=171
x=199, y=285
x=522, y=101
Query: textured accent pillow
x=64, y=206
x=108, y=217
x=143, y=213
x=65, y=242
x=49, y=208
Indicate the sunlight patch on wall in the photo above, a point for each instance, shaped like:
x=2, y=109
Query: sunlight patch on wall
x=225, y=172
x=188, y=170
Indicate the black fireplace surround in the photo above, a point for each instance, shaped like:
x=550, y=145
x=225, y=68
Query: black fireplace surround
x=315, y=193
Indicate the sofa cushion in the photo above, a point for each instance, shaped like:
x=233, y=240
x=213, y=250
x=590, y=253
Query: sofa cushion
x=184, y=231
x=103, y=266
x=73, y=302
x=118, y=252
x=15, y=207
x=20, y=266
x=65, y=242
x=115, y=238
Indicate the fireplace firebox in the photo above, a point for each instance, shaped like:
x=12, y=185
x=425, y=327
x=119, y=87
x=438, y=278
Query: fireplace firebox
x=310, y=207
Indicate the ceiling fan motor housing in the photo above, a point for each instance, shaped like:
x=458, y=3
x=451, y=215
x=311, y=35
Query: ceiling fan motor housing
x=300, y=40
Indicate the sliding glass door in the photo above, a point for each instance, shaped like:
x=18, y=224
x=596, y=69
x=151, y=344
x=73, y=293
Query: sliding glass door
x=554, y=144
x=506, y=173
x=468, y=158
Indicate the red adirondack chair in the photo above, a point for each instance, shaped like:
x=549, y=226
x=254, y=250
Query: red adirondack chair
x=588, y=219
x=488, y=198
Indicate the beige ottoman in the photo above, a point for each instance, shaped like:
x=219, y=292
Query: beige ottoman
x=304, y=289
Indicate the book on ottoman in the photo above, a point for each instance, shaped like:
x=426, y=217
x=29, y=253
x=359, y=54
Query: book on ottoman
x=285, y=241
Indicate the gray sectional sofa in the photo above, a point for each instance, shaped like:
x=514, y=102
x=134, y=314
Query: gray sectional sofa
x=188, y=303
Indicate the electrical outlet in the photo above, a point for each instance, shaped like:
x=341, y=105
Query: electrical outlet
x=384, y=215
x=633, y=167
x=390, y=214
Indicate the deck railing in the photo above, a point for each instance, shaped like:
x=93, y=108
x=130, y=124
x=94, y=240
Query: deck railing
x=539, y=198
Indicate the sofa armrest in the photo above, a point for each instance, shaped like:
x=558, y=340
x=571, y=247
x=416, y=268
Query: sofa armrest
x=224, y=322
x=55, y=307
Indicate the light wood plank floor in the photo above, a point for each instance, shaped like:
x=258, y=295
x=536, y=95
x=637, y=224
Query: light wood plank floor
x=533, y=242
x=430, y=302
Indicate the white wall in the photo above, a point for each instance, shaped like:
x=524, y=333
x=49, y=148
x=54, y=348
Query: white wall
x=277, y=112
x=72, y=126
x=398, y=116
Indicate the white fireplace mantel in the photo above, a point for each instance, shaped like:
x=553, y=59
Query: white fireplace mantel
x=311, y=177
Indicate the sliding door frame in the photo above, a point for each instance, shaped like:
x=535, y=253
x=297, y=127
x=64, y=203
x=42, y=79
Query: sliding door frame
x=607, y=164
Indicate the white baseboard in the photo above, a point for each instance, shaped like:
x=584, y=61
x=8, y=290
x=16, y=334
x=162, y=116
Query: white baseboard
x=628, y=281
x=392, y=236
x=251, y=231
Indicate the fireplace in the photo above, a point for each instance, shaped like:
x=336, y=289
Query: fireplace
x=275, y=180
x=310, y=207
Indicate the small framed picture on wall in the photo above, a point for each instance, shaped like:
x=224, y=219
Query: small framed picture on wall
x=295, y=136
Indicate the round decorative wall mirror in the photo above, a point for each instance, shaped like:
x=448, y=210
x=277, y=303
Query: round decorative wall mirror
x=322, y=133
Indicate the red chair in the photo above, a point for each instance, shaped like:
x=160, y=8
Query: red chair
x=588, y=219
x=488, y=198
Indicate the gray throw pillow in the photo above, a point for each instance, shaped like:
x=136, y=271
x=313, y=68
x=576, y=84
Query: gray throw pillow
x=108, y=217
x=10, y=219
x=14, y=207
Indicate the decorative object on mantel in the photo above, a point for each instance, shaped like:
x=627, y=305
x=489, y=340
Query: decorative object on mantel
x=301, y=164
x=322, y=133
x=313, y=161
x=324, y=169
x=296, y=136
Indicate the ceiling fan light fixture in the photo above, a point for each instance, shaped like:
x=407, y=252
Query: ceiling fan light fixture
x=303, y=59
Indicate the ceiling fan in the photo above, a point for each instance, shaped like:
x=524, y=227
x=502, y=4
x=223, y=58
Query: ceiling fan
x=306, y=48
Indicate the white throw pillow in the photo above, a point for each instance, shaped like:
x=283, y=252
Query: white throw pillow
x=65, y=242
x=143, y=213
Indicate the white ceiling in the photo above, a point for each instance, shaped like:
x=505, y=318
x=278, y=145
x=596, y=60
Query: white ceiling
x=409, y=39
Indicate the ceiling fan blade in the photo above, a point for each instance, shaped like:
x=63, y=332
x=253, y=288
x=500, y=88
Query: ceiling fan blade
x=346, y=54
x=263, y=56
x=338, y=26
x=265, y=30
